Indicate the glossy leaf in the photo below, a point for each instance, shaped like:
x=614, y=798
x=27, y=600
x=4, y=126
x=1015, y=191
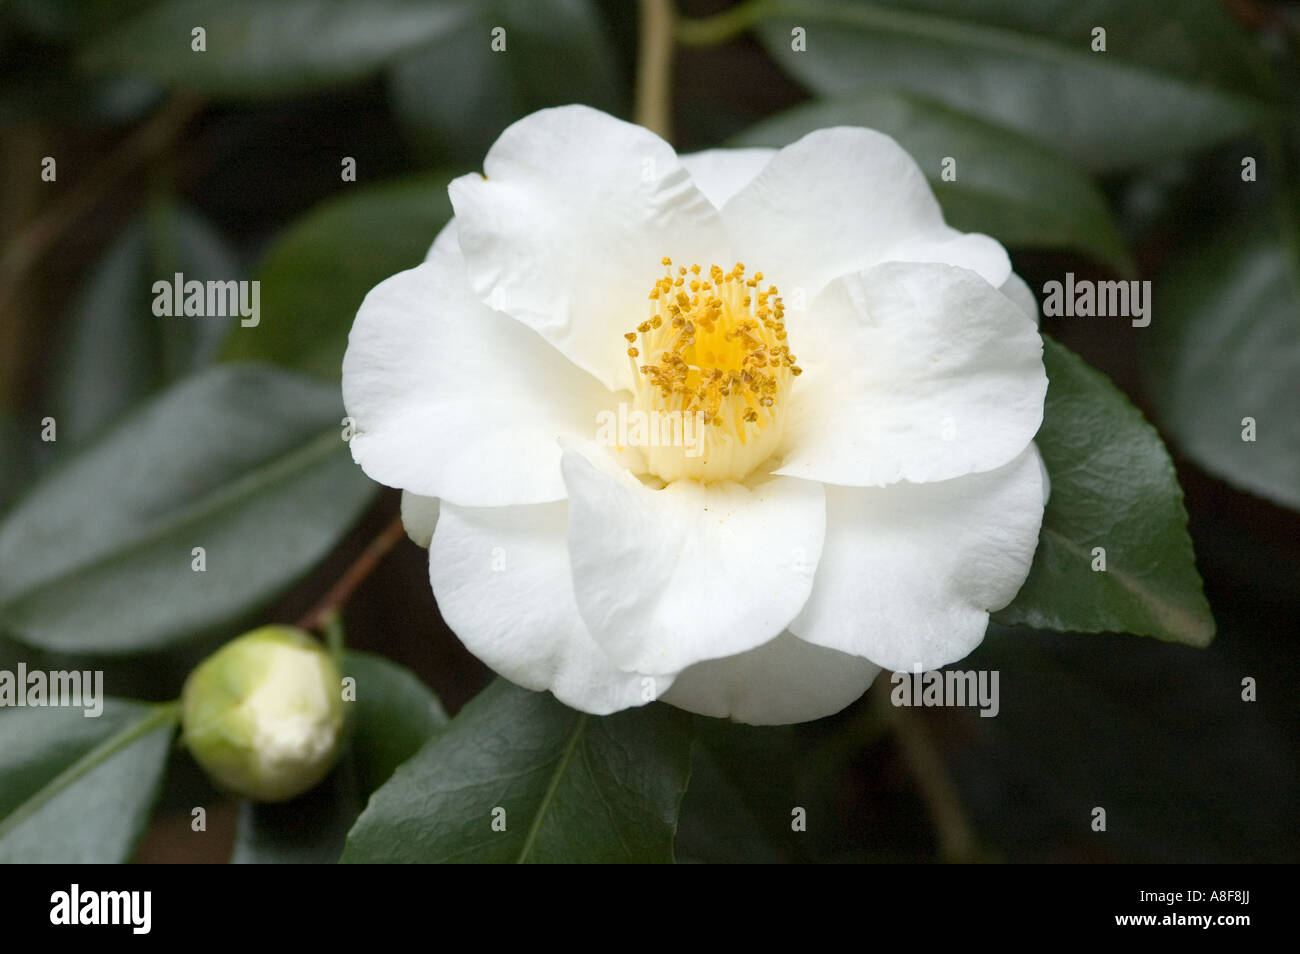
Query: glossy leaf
x=1113, y=488
x=457, y=95
x=314, y=278
x=98, y=816
x=253, y=48
x=567, y=787
x=1224, y=361
x=391, y=716
x=116, y=350
x=242, y=460
x=1112, y=721
x=309, y=829
x=1176, y=75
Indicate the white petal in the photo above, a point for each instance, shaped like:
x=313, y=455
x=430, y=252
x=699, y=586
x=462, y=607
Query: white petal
x=972, y=250
x=783, y=681
x=667, y=578
x=721, y=173
x=451, y=399
x=839, y=200
x=1020, y=293
x=910, y=572
x=419, y=517
x=912, y=372
x=567, y=229
x=501, y=578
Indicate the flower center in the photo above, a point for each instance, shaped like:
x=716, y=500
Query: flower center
x=717, y=366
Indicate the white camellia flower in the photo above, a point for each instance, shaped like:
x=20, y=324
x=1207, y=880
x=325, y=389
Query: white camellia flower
x=864, y=488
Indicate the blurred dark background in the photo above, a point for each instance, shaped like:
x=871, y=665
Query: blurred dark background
x=1156, y=733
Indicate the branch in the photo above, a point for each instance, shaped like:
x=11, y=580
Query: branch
x=724, y=26
x=32, y=243
x=654, y=75
x=942, y=800
x=363, y=566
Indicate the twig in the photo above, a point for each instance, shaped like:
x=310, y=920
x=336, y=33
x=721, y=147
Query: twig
x=33, y=242
x=942, y=800
x=335, y=637
x=363, y=566
x=654, y=75
x=724, y=26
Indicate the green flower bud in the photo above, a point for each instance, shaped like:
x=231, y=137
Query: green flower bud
x=264, y=714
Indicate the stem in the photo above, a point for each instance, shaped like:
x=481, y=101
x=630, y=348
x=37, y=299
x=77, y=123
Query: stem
x=724, y=26
x=654, y=76
x=163, y=714
x=354, y=576
x=942, y=800
x=30, y=246
x=335, y=638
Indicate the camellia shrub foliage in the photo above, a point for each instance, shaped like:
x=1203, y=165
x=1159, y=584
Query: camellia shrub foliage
x=586, y=431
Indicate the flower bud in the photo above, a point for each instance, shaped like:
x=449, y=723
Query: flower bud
x=264, y=714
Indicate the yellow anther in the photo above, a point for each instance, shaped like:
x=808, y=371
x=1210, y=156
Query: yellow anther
x=720, y=356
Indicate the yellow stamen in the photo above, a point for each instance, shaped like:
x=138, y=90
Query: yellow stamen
x=716, y=349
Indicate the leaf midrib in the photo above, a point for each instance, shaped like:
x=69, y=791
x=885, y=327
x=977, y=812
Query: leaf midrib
x=1178, y=621
x=243, y=488
x=571, y=746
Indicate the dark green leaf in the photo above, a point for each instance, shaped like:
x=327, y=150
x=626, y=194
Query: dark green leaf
x=1176, y=74
x=1113, y=487
x=181, y=241
x=116, y=350
x=314, y=278
x=1225, y=346
x=572, y=787
x=310, y=829
x=1006, y=185
x=1112, y=721
x=458, y=94
x=392, y=716
x=255, y=48
x=97, y=817
x=716, y=825
x=109, y=359
x=15, y=458
x=242, y=460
